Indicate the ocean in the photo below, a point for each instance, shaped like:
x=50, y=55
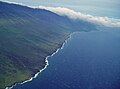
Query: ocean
x=89, y=60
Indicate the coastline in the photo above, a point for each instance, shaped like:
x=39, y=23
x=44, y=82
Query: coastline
x=46, y=61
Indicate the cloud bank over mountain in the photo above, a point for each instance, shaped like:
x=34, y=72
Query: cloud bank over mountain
x=106, y=21
x=109, y=22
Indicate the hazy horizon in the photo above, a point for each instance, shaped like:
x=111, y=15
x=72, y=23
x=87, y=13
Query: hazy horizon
x=94, y=7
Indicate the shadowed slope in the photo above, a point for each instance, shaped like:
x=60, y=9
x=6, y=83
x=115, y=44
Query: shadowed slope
x=27, y=37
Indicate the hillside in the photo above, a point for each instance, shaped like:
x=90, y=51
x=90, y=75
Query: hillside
x=27, y=37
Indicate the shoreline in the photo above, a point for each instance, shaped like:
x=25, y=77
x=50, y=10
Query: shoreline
x=46, y=61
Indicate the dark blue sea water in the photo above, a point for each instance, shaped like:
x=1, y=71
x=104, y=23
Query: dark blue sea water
x=89, y=60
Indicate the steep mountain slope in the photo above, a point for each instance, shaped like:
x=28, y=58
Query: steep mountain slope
x=27, y=37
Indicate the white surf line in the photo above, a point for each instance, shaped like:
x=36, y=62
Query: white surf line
x=46, y=60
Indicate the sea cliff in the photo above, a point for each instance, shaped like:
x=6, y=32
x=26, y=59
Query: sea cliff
x=27, y=37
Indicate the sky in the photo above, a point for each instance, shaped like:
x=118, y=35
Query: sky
x=108, y=8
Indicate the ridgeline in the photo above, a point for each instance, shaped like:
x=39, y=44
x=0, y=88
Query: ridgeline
x=27, y=37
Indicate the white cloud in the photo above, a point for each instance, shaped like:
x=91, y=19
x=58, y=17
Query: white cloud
x=109, y=22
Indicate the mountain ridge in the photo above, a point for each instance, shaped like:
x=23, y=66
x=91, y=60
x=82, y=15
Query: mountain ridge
x=27, y=37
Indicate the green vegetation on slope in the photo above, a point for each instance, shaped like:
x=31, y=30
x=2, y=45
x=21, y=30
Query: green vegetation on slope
x=27, y=36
